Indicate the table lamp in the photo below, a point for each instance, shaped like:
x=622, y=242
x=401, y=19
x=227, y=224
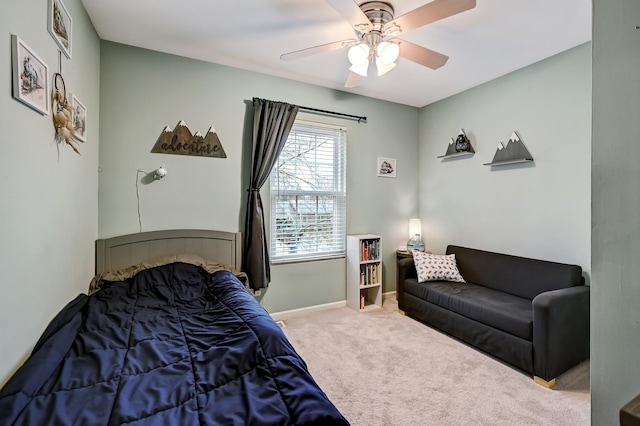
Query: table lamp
x=415, y=230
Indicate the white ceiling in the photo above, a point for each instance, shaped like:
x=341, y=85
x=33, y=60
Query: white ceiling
x=493, y=39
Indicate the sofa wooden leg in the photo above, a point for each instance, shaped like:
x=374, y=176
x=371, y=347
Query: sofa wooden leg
x=542, y=382
x=401, y=312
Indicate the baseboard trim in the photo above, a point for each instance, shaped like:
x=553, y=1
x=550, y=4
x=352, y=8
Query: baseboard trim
x=278, y=316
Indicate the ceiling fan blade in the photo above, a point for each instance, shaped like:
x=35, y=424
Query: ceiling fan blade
x=421, y=55
x=302, y=53
x=430, y=12
x=352, y=13
x=353, y=80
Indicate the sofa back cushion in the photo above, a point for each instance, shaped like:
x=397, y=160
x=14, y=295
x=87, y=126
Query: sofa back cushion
x=515, y=275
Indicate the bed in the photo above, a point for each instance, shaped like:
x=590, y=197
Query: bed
x=167, y=334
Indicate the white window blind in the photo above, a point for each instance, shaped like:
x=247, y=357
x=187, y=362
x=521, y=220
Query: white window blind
x=308, y=194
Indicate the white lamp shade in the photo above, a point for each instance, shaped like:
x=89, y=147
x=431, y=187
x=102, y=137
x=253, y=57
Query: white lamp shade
x=362, y=70
x=359, y=55
x=383, y=69
x=388, y=52
x=415, y=227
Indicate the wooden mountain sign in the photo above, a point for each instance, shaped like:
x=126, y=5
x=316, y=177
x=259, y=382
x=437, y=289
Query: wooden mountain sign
x=180, y=141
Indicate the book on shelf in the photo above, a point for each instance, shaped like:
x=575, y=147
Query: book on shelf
x=370, y=274
x=369, y=250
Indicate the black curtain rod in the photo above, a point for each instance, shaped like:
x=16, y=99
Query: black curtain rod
x=337, y=114
x=359, y=119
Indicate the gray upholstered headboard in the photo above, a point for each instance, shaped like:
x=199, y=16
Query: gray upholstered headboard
x=127, y=250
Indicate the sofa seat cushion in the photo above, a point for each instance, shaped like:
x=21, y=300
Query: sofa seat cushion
x=511, y=314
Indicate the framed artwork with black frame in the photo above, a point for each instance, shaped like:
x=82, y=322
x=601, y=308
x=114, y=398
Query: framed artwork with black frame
x=30, y=76
x=60, y=26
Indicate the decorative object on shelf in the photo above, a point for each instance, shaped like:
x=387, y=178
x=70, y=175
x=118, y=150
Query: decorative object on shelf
x=59, y=25
x=180, y=141
x=415, y=240
x=78, y=118
x=30, y=77
x=462, y=142
x=386, y=167
x=62, y=114
x=513, y=152
x=459, y=148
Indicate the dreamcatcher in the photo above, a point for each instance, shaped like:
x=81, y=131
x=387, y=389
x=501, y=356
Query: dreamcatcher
x=62, y=113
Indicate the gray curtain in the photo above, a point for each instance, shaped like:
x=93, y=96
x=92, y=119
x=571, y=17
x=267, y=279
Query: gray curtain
x=272, y=123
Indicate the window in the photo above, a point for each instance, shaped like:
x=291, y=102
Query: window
x=308, y=194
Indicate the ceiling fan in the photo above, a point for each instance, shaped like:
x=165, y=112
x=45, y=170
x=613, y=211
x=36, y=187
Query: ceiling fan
x=376, y=28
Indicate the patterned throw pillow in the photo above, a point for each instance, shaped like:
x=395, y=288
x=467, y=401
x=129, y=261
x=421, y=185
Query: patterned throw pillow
x=435, y=267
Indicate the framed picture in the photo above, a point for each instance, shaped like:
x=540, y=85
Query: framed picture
x=30, y=76
x=386, y=167
x=60, y=25
x=78, y=117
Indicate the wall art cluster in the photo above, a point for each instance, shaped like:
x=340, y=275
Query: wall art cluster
x=44, y=92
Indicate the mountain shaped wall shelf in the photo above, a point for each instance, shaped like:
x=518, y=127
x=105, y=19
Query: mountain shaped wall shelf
x=511, y=153
x=180, y=141
x=460, y=148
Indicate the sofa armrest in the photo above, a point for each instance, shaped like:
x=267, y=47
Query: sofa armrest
x=560, y=330
x=406, y=269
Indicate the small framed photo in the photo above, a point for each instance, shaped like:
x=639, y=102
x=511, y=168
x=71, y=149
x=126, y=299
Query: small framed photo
x=59, y=24
x=386, y=167
x=30, y=76
x=78, y=117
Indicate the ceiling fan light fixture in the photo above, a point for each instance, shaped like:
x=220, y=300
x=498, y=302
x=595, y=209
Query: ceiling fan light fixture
x=387, y=52
x=359, y=54
x=360, y=69
x=379, y=24
x=382, y=68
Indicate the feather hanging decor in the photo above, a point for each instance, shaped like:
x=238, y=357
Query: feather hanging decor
x=62, y=114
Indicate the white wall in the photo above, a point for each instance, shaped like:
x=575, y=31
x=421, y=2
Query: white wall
x=49, y=199
x=615, y=179
x=143, y=91
x=539, y=209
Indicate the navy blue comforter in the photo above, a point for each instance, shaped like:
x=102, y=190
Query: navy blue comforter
x=173, y=345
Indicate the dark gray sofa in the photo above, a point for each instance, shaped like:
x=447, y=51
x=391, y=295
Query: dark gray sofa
x=533, y=314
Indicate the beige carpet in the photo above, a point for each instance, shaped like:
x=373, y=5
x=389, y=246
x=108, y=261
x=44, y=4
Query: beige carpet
x=381, y=368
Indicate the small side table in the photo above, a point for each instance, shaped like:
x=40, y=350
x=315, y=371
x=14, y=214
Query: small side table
x=400, y=254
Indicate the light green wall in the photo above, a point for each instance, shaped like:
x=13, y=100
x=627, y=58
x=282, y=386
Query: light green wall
x=615, y=180
x=143, y=91
x=49, y=201
x=539, y=209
